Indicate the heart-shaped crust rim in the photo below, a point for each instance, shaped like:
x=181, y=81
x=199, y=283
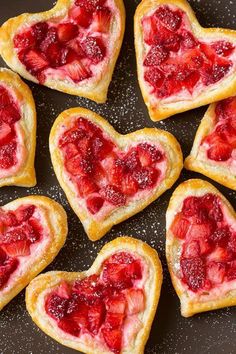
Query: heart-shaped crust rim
x=225, y=88
x=34, y=302
x=94, y=229
x=25, y=177
x=97, y=91
x=57, y=218
x=207, y=167
x=189, y=307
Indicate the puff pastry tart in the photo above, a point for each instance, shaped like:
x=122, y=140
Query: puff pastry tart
x=214, y=148
x=181, y=65
x=106, y=176
x=71, y=48
x=32, y=231
x=201, y=247
x=17, y=131
x=107, y=309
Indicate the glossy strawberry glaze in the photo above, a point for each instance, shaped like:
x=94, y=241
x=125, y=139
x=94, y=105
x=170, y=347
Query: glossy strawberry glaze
x=74, y=49
x=22, y=234
x=103, y=176
x=103, y=307
x=220, y=144
x=177, y=65
x=207, y=235
x=12, y=151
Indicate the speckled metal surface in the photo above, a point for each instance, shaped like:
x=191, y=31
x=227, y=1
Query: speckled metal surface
x=213, y=332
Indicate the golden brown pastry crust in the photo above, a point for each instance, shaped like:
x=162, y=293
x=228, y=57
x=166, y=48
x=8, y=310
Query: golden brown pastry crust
x=224, y=89
x=50, y=280
x=96, y=90
x=57, y=223
x=25, y=176
x=197, y=160
x=96, y=229
x=191, y=305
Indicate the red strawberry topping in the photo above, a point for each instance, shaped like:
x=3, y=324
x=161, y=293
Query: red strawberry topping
x=179, y=61
x=99, y=305
x=101, y=173
x=208, y=243
x=72, y=45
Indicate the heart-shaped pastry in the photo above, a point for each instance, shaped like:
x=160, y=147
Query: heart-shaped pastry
x=32, y=232
x=108, y=177
x=107, y=309
x=71, y=48
x=181, y=65
x=17, y=131
x=214, y=148
x=201, y=247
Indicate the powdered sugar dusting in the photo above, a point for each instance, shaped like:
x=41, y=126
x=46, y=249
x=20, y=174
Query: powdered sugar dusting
x=209, y=333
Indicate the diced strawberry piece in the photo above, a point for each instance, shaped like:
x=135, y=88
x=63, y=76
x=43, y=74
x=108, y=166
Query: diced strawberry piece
x=34, y=230
x=10, y=114
x=24, y=213
x=194, y=272
x=79, y=165
x=8, y=218
x=56, y=306
x=88, y=288
x=24, y=40
x=80, y=315
x=135, y=301
x=220, y=254
x=67, y=31
x=121, y=258
x=5, y=99
x=77, y=71
x=116, y=304
x=231, y=270
x=116, y=169
x=6, y=269
x=134, y=270
x=90, y=5
x=131, y=161
x=86, y=186
x=101, y=147
x=223, y=48
x=148, y=154
x=5, y=132
x=7, y=155
x=51, y=37
x=113, y=195
x=216, y=272
x=187, y=40
x=94, y=49
x=34, y=61
x=71, y=136
x=191, y=249
x=18, y=248
x=113, y=338
x=40, y=30
x=116, y=275
x=81, y=16
x=101, y=20
x=146, y=177
x=69, y=326
x=171, y=42
x=96, y=316
x=221, y=236
x=219, y=152
x=191, y=206
x=155, y=56
x=154, y=77
x=200, y=231
x=56, y=55
x=216, y=72
x=129, y=185
x=94, y=204
x=170, y=19
x=64, y=290
x=180, y=226
x=70, y=150
x=114, y=320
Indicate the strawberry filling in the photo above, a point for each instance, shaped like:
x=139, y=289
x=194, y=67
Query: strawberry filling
x=221, y=142
x=101, y=305
x=176, y=62
x=9, y=116
x=208, y=243
x=104, y=176
x=72, y=47
x=19, y=229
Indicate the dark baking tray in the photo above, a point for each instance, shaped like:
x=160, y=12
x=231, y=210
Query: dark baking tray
x=213, y=332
